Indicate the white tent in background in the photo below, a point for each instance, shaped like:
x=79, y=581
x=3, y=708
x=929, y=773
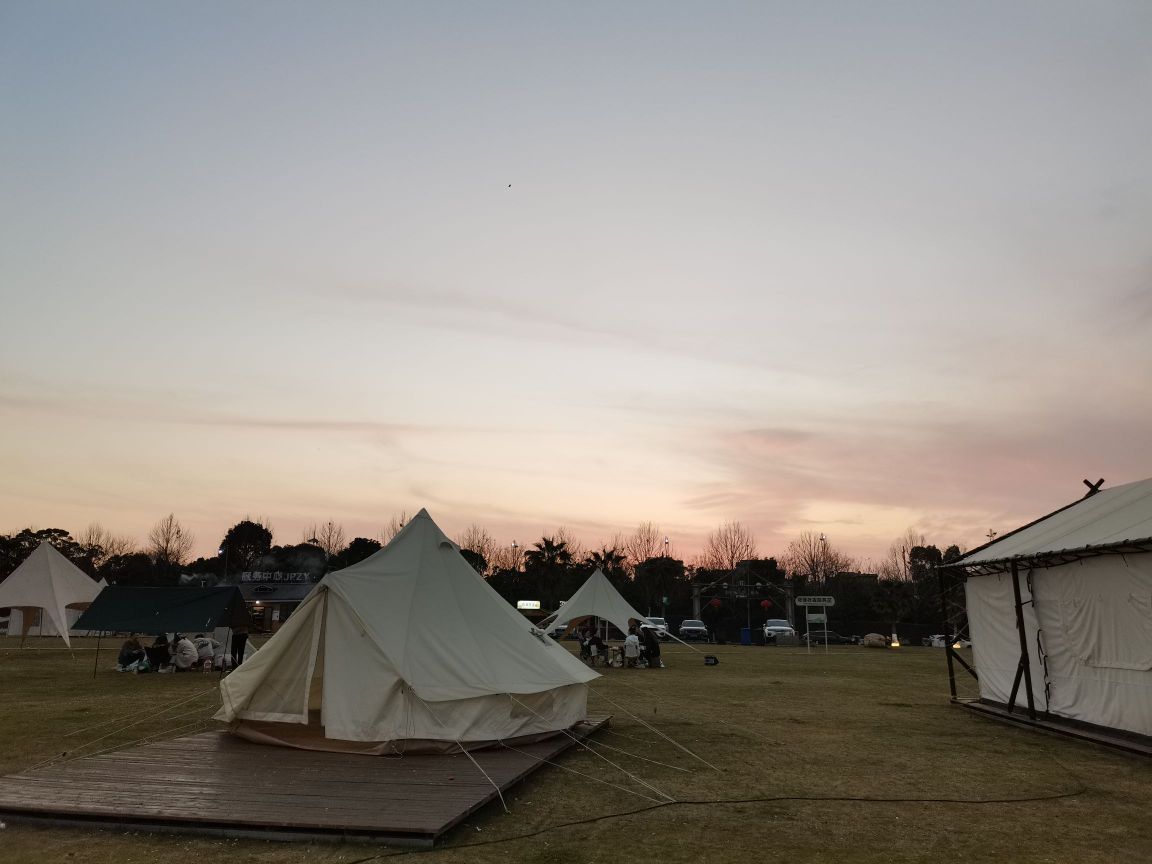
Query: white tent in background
x=595, y=597
x=1084, y=576
x=410, y=649
x=47, y=581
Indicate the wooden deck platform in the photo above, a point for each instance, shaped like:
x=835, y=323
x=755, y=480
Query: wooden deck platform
x=219, y=784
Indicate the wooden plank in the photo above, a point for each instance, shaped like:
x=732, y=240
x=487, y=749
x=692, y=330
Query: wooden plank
x=215, y=782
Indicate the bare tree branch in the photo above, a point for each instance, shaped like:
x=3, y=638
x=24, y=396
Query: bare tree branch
x=100, y=544
x=894, y=565
x=811, y=555
x=477, y=539
x=168, y=543
x=727, y=546
x=394, y=526
x=329, y=537
x=641, y=544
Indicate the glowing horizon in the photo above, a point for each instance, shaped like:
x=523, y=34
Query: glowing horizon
x=535, y=265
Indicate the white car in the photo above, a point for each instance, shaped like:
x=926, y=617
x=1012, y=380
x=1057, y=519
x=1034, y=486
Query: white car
x=939, y=641
x=774, y=628
x=657, y=624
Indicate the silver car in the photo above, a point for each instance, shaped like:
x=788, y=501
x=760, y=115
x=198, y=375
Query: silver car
x=693, y=628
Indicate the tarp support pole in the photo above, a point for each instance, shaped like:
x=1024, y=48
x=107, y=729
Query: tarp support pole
x=946, y=632
x=1025, y=667
x=964, y=663
x=96, y=662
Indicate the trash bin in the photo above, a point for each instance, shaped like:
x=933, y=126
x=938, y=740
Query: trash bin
x=745, y=635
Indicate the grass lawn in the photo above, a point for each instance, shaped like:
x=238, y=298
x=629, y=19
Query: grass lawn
x=812, y=731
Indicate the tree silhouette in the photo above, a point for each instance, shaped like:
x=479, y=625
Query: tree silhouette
x=169, y=543
x=812, y=557
x=727, y=546
x=546, y=565
x=355, y=552
x=245, y=543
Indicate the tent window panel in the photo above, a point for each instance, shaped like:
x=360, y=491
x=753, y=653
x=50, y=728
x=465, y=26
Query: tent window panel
x=1106, y=610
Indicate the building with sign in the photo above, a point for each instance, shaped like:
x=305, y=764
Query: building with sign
x=273, y=596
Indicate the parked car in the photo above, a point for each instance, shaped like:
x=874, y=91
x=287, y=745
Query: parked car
x=774, y=628
x=657, y=624
x=693, y=630
x=828, y=637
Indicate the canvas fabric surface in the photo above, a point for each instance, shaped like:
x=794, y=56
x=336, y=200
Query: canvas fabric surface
x=1111, y=516
x=410, y=644
x=167, y=609
x=1093, y=621
x=48, y=581
x=596, y=597
x=995, y=640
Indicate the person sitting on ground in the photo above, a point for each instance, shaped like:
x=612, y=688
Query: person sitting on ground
x=159, y=654
x=186, y=656
x=131, y=652
x=205, y=647
x=631, y=648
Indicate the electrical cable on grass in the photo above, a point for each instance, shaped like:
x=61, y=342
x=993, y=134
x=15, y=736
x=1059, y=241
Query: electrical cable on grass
x=1080, y=789
x=719, y=803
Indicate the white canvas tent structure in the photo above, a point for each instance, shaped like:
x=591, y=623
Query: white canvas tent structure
x=1060, y=613
x=48, y=582
x=596, y=597
x=408, y=650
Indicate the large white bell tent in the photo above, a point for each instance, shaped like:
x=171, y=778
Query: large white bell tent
x=408, y=650
x=1060, y=612
x=596, y=597
x=47, y=582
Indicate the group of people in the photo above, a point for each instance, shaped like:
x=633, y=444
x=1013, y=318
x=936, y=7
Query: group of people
x=641, y=649
x=181, y=654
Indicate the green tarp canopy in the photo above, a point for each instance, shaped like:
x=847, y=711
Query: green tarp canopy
x=131, y=609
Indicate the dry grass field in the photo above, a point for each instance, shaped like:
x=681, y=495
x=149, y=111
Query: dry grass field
x=852, y=756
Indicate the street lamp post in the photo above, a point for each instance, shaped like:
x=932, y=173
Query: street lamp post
x=223, y=550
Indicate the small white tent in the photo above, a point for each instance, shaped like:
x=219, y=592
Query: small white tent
x=47, y=581
x=595, y=597
x=408, y=650
x=1075, y=590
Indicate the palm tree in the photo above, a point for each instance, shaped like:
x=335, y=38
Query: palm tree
x=546, y=564
x=611, y=560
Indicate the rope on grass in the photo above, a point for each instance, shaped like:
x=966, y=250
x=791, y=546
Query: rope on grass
x=652, y=728
x=581, y=743
x=642, y=758
x=73, y=755
x=541, y=759
x=126, y=716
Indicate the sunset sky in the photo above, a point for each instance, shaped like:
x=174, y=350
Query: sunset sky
x=834, y=266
